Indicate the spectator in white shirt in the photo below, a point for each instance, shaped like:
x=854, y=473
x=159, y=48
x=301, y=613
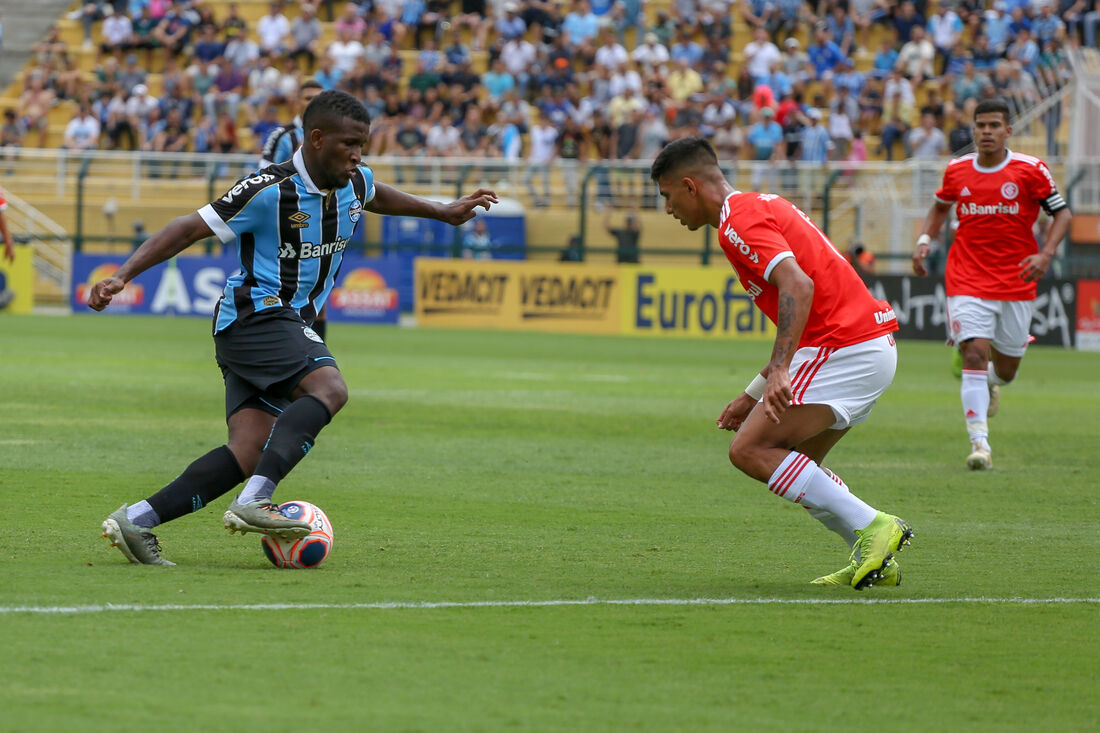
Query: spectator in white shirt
x=610, y=54
x=542, y=142
x=917, y=56
x=117, y=33
x=273, y=29
x=651, y=53
x=345, y=51
x=927, y=142
x=82, y=132
x=760, y=54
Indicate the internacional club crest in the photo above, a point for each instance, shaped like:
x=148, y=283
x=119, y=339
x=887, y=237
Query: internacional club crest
x=1010, y=190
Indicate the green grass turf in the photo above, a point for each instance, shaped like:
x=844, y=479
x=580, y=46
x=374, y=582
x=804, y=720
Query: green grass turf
x=486, y=466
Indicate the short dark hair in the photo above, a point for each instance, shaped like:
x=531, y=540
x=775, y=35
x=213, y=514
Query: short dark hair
x=687, y=152
x=990, y=106
x=310, y=83
x=328, y=108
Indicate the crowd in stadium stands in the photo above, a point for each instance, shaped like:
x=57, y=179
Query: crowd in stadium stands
x=566, y=80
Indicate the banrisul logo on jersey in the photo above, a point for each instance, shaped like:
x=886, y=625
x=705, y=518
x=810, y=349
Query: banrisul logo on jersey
x=309, y=250
x=364, y=291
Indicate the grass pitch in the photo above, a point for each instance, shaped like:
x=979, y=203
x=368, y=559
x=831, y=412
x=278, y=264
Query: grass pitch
x=485, y=470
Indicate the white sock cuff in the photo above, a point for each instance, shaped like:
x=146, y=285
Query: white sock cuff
x=975, y=375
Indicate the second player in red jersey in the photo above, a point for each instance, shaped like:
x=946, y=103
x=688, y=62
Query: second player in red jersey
x=996, y=208
x=833, y=356
x=994, y=263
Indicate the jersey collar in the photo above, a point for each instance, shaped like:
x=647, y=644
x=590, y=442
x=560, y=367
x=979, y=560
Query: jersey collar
x=995, y=168
x=300, y=166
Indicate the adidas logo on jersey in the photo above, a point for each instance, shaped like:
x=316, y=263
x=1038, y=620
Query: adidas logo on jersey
x=965, y=191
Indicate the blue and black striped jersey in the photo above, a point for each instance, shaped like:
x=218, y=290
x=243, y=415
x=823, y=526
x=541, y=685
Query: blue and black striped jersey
x=290, y=238
x=282, y=143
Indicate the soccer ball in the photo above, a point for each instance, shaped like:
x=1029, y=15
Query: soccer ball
x=303, y=552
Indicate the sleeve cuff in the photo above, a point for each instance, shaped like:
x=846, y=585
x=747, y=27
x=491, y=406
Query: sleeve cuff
x=219, y=227
x=775, y=261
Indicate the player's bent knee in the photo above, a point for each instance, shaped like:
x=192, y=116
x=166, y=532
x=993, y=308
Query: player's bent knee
x=333, y=393
x=744, y=457
x=247, y=453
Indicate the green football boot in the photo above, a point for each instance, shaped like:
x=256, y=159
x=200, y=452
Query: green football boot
x=891, y=575
x=264, y=517
x=877, y=543
x=138, y=544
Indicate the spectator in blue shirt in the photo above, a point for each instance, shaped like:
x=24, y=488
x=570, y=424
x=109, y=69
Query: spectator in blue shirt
x=765, y=141
x=1020, y=21
x=497, y=81
x=886, y=58
x=510, y=25
x=685, y=48
x=905, y=18
x=846, y=77
x=824, y=54
x=996, y=29
x=816, y=143
x=581, y=25
x=1047, y=26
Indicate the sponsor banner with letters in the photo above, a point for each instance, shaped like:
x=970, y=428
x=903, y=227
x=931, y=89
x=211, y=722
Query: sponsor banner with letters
x=1088, y=315
x=192, y=286
x=920, y=303
x=580, y=298
x=690, y=301
x=568, y=297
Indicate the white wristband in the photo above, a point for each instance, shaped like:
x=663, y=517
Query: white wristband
x=924, y=239
x=756, y=387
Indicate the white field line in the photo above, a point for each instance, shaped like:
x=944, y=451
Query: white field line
x=399, y=605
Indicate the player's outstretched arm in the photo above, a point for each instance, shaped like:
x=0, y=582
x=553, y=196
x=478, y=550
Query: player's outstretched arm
x=796, y=294
x=180, y=233
x=937, y=215
x=392, y=201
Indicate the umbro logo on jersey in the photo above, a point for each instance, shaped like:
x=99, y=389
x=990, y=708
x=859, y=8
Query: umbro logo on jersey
x=965, y=191
x=298, y=220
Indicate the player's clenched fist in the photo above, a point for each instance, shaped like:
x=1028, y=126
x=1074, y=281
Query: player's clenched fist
x=99, y=297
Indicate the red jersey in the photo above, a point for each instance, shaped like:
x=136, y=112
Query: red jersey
x=3, y=201
x=757, y=231
x=997, y=208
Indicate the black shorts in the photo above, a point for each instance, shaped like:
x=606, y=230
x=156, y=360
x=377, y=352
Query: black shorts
x=264, y=358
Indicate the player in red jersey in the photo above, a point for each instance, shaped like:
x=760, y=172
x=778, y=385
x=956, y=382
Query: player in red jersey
x=832, y=336
x=993, y=264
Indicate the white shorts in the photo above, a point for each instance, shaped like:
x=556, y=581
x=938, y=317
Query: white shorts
x=1004, y=322
x=848, y=379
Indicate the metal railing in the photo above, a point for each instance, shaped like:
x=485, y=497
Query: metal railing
x=876, y=203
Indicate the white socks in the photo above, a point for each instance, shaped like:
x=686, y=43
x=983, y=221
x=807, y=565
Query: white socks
x=258, y=487
x=975, y=402
x=801, y=480
x=142, y=514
